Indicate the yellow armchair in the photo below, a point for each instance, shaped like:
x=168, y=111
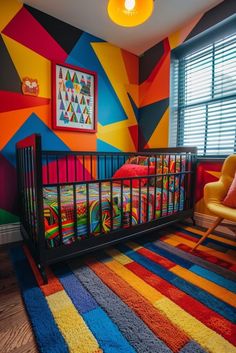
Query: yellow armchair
x=214, y=194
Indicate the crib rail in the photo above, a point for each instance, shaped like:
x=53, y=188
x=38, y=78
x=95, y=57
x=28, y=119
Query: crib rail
x=170, y=188
x=96, y=169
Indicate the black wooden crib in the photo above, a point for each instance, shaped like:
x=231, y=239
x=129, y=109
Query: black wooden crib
x=76, y=202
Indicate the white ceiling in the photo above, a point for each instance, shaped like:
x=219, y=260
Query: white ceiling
x=91, y=16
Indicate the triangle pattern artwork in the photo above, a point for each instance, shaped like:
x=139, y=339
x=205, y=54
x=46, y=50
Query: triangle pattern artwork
x=74, y=98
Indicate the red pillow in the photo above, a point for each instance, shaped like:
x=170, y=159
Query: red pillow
x=133, y=170
x=230, y=199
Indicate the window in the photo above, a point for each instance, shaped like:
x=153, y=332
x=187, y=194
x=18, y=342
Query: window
x=204, y=105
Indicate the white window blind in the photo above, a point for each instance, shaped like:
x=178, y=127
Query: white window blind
x=205, y=114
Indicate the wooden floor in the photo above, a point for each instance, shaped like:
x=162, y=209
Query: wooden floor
x=16, y=334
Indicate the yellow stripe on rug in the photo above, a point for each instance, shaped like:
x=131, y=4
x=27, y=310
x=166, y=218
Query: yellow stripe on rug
x=212, y=288
x=134, y=246
x=123, y=259
x=211, y=236
x=72, y=326
x=175, y=240
x=211, y=341
x=134, y=281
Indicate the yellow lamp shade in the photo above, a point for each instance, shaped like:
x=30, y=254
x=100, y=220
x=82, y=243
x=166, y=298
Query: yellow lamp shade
x=130, y=13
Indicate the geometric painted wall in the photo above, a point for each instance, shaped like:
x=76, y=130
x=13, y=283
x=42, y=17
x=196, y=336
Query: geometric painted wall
x=133, y=93
x=29, y=41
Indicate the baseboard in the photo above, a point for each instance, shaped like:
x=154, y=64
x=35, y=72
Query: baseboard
x=10, y=233
x=206, y=221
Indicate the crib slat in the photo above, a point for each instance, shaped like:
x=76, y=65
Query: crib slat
x=88, y=209
x=180, y=179
x=131, y=203
x=155, y=190
x=67, y=169
x=47, y=166
x=32, y=182
x=168, y=186
x=83, y=167
x=26, y=193
x=174, y=178
x=59, y=213
x=100, y=206
x=75, y=212
x=30, y=195
x=162, y=185
x=57, y=167
x=139, y=201
x=91, y=167
x=111, y=204
x=121, y=203
x=75, y=168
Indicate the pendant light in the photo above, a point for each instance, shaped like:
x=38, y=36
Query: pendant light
x=130, y=13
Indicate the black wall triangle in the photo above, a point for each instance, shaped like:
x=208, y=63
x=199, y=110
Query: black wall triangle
x=9, y=78
x=63, y=33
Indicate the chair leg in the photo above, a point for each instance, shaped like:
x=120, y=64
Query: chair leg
x=209, y=231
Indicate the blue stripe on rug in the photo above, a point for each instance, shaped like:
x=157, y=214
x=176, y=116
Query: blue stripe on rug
x=80, y=297
x=46, y=331
x=131, y=326
x=172, y=257
x=222, y=308
x=211, y=276
x=214, y=277
x=223, y=272
x=105, y=331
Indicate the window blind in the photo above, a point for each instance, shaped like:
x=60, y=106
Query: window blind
x=206, y=98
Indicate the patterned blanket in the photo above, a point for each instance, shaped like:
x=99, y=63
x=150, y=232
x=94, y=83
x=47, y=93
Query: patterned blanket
x=94, y=217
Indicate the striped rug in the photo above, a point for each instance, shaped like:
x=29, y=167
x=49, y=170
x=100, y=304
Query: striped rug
x=146, y=296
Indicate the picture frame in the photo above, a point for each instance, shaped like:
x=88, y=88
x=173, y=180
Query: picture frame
x=74, y=98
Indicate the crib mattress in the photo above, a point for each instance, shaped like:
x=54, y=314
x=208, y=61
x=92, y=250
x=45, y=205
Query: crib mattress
x=123, y=211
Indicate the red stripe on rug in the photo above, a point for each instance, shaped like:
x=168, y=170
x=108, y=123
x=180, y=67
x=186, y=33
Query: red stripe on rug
x=169, y=333
x=207, y=316
x=53, y=285
x=188, y=237
x=208, y=257
x=156, y=258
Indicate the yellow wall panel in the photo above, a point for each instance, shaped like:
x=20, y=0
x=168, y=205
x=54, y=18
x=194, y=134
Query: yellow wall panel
x=112, y=62
x=117, y=135
x=30, y=64
x=160, y=136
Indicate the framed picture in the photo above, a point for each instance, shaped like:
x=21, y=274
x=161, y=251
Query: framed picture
x=74, y=98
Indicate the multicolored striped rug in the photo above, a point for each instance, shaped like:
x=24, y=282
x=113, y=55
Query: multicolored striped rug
x=146, y=296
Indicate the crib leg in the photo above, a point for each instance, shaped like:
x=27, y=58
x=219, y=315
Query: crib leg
x=43, y=273
x=193, y=220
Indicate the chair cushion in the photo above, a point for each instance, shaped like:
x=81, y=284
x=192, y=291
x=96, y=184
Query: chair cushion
x=230, y=199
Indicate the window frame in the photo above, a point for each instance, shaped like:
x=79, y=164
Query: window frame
x=202, y=40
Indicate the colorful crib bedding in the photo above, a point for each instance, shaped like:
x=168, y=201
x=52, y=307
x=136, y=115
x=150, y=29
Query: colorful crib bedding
x=125, y=213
